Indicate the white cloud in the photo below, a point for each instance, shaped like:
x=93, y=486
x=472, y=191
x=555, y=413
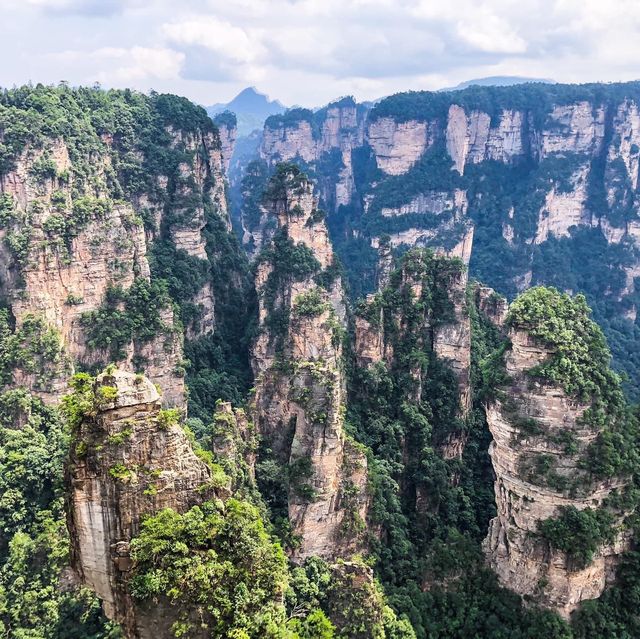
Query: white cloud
x=218, y=36
x=120, y=66
x=490, y=33
x=307, y=51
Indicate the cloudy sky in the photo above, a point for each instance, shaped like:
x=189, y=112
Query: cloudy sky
x=310, y=51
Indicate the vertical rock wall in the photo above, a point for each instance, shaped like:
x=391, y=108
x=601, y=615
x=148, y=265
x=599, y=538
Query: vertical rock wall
x=532, y=422
x=300, y=386
x=126, y=462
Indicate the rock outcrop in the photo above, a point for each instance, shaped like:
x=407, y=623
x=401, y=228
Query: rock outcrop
x=532, y=425
x=574, y=128
x=383, y=330
x=68, y=242
x=328, y=136
x=397, y=146
x=472, y=138
x=228, y=131
x=300, y=385
x=127, y=460
x=564, y=209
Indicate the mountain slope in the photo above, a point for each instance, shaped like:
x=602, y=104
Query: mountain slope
x=251, y=109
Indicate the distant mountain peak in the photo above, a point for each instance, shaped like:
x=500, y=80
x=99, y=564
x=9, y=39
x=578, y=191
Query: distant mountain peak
x=251, y=97
x=251, y=107
x=497, y=81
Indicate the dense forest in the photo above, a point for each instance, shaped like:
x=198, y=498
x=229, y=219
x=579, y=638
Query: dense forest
x=415, y=412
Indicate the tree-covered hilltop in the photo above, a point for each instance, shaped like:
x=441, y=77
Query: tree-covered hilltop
x=535, y=97
x=86, y=119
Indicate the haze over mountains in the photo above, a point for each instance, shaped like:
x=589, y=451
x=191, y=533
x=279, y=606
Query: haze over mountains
x=252, y=107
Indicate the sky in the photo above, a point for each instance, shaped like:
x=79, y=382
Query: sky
x=309, y=52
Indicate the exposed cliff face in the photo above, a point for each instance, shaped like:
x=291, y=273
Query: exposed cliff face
x=538, y=172
x=73, y=232
x=433, y=319
x=452, y=338
x=563, y=210
x=398, y=145
x=471, y=138
x=300, y=388
x=289, y=142
x=493, y=306
x=327, y=137
x=574, y=128
x=63, y=273
x=127, y=460
x=228, y=134
x=531, y=426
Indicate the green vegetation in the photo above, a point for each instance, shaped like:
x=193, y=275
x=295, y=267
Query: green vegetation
x=580, y=364
x=290, y=118
x=537, y=98
x=290, y=262
x=219, y=559
x=226, y=118
x=34, y=544
x=126, y=316
x=287, y=177
x=35, y=348
x=219, y=564
x=404, y=412
x=579, y=533
x=310, y=304
x=580, y=360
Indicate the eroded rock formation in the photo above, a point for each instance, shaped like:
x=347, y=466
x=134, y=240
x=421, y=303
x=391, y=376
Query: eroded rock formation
x=68, y=243
x=433, y=318
x=300, y=384
x=127, y=460
x=327, y=136
x=539, y=440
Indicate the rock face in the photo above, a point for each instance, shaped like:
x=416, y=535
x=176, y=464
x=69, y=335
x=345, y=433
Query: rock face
x=328, y=136
x=434, y=203
x=300, y=384
x=452, y=339
x=543, y=165
x=471, y=138
x=493, y=306
x=397, y=146
x=288, y=142
x=67, y=242
x=126, y=461
x=521, y=558
x=228, y=132
x=574, y=128
x=382, y=328
x=562, y=210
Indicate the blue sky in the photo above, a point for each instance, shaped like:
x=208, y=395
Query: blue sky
x=310, y=51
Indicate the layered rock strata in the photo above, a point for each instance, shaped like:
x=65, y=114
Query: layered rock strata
x=127, y=461
x=328, y=136
x=300, y=382
x=532, y=425
x=66, y=242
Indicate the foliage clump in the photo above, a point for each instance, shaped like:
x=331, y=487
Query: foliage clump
x=128, y=315
x=580, y=359
x=579, y=533
x=34, y=347
x=310, y=304
x=219, y=559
